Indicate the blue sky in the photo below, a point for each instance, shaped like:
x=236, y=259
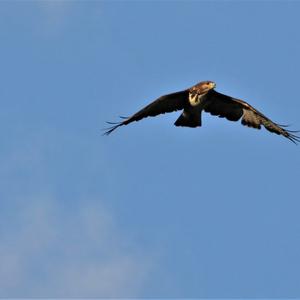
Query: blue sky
x=152, y=210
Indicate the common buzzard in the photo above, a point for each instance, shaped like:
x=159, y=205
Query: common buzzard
x=203, y=97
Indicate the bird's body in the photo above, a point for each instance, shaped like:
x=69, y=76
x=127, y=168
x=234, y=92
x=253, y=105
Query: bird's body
x=203, y=97
x=191, y=115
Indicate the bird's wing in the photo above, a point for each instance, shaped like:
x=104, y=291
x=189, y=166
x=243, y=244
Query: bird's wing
x=233, y=109
x=164, y=104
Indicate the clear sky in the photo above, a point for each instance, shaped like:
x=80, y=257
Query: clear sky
x=152, y=210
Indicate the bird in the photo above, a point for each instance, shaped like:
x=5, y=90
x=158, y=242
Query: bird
x=203, y=97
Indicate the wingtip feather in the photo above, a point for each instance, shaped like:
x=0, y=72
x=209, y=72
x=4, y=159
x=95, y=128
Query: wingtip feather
x=290, y=134
x=109, y=130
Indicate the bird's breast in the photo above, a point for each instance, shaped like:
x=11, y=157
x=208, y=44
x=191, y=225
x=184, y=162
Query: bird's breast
x=195, y=99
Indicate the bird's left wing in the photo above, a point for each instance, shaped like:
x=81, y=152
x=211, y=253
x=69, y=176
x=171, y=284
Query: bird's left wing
x=233, y=109
x=164, y=104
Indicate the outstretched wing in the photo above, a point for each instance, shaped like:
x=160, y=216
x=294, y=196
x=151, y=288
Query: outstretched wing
x=233, y=109
x=164, y=104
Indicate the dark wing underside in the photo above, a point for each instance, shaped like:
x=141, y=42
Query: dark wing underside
x=233, y=109
x=223, y=106
x=164, y=104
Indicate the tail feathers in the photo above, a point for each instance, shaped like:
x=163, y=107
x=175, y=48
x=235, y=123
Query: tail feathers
x=188, y=120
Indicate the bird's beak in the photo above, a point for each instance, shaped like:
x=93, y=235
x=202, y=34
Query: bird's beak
x=213, y=85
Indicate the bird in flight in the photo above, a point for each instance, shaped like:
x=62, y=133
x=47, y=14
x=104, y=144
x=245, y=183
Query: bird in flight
x=204, y=97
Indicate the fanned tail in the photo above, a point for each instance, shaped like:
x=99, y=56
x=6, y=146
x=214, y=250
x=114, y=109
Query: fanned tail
x=188, y=120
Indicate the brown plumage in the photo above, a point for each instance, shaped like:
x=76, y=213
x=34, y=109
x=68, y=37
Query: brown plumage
x=203, y=97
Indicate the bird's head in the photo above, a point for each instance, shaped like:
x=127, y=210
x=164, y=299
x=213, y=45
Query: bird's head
x=203, y=87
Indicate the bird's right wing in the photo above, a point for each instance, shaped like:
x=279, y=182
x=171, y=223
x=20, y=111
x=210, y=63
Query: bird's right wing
x=233, y=109
x=164, y=104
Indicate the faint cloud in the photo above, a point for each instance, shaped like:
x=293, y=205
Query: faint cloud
x=53, y=246
x=55, y=253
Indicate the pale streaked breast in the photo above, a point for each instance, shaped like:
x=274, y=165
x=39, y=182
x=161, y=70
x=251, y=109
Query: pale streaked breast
x=195, y=99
